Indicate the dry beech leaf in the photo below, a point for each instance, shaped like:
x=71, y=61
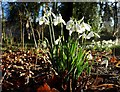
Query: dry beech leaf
x=113, y=59
x=106, y=86
x=118, y=64
x=99, y=58
x=46, y=88
x=97, y=81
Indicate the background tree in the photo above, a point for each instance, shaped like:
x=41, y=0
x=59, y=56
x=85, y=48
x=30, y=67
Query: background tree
x=19, y=12
x=66, y=9
x=88, y=10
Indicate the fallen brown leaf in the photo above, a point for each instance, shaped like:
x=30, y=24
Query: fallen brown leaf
x=113, y=59
x=118, y=64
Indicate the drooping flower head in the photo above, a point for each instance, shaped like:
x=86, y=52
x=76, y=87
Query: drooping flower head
x=58, y=19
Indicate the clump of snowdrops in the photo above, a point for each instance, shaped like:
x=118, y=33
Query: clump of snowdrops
x=70, y=56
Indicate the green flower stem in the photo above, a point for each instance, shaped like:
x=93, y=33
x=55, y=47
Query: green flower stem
x=82, y=40
x=62, y=32
x=52, y=30
x=62, y=40
x=51, y=36
x=31, y=28
x=23, y=37
x=33, y=34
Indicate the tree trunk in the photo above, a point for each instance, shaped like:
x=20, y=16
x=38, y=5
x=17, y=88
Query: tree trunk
x=66, y=11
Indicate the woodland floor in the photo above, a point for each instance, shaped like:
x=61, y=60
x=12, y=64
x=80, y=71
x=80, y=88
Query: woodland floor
x=25, y=71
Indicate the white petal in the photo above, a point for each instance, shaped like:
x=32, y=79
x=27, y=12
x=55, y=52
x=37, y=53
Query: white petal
x=48, y=13
x=60, y=20
x=53, y=15
x=82, y=29
x=80, y=36
x=47, y=22
x=27, y=25
x=90, y=35
x=87, y=27
x=67, y=27
x=90, y=57
x=58, y=40
x=63, y=22
x=37, y=19
x=81, y=20
x=69, y=24
x=84, y=35
x=55, y=22
x=105, y=62
x=70, y=32
x=78, y=28
x=41, y=20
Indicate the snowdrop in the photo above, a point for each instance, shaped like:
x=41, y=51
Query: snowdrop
x=84, y=35
x=79, y=29
x=58, y=40
x=69, y=24
x=58, y=19
x=49, y=13
x=31, y=19
x=105, y=62
x=89, y=56
x=27, y=24
x=91, y=34
x=86, y=26
x=87, y=36
x=43, y=20
x=74, y=25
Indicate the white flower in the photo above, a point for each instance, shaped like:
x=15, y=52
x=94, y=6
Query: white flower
x=69, y=24
x=58, y=20
x=37, y=19
x=80, y=36
x=90, y=35
x=78, y=28
x=70, y=32
x=82, y=28
x=30, y=18
x=80, y=20
x=47, y=21
x=53, y=15
x=105, y=62
x=85, y=26
x=47, y=14
x=84, y=35
x=89, y=56
x=43, y=20
x=58, y=40
x=27, y=24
